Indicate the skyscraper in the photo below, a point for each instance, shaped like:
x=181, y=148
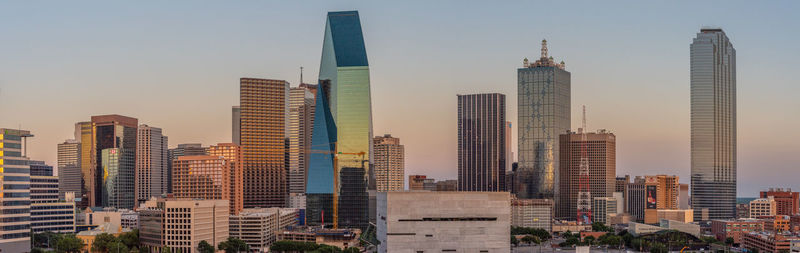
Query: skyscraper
x=232, y=153
x=69, y=168
x=389, y=163
x=301, y=118
x=482, y=142
x=151, y=163
x=344, y=77
x=206, y=177
x=544, y=113
x=263, y=137
x=114, y=147
x=85, y=135
x=15, y=219
x=602, y=155
x=181, y=150
x=713, y=127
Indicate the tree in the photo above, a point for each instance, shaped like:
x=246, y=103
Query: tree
x=658, y=248
x=234, y=245
x=102, y=242
x=529, y=239
x=117, y=247
x=69, y=244
x=205, y=247
x=166, y=249
x=589, y=240
x=514, y=240
x=729, y=241
x=130, y=239
x=351, y=250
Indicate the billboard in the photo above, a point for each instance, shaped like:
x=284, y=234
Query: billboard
x=651, y=197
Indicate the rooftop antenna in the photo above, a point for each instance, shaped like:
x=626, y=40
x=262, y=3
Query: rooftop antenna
x=584, y=194
x=301, y=74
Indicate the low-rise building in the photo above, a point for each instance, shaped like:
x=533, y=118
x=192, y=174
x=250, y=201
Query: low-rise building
x=742, y=210
x=129, y=219
x=532, y=213
x=722, y=229
x=602, y=207
x=572, y=226
x=637, y=229
x=623, y=218
x=258, y=226
x=342, y=238
x=777, y=224
x=181, y=224
x=686, y=215
x=48, y=212
x=443, y=221
x=106, y=228
x=767, y=242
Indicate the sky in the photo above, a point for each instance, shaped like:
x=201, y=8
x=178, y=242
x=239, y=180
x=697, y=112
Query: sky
x=176, y=65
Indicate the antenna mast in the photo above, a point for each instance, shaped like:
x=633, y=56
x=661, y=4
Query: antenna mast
x=584, y=194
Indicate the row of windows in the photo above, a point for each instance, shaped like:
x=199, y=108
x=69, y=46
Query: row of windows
x=48, y=207
x=16, y=235
x=51, y=213
x=16, y=203
x=16, y=179
x=52, y=218
x=16, y=186
x=15, y=211
x=16, y=227
x=12, y=145
x=15, y=219
x=15, y=170
x=16, y=195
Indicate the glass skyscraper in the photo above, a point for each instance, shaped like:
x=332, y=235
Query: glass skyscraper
x=15, y=176
x=344, y=79
x=713, y=127
x=543, y=114
x=115, y=173
x=482, y=142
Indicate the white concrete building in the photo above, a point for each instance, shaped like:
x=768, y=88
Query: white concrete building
x=181, y=224
x=602, y=207
x=258, y=226
x=151, y=163
x=443, y=222
x=532, y=213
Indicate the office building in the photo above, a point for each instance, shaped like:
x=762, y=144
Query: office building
x=69, y=169
x=301, y=121
x=443, y=225
x=713, y=124
x=204, y=177
x=685, y=215
x=620, y=202
x=342, y=125
x=509, y=153
x=84, y=134
x=185, y=149
x=532, y=213
x=389, y=163
x=636, y=198
x=447, y=186
x=777, y=223
x=683, y=196
x=768, y=242
x=15, y=174
x=603, y=208
x=264, y=104
x=181, y=224
x=763, y=207
x=661, y=194
x=48, y=213
x=232, y=154
x=621, y=185
x=114, y=152
x=786, y=200
x=742, y=210
x=341, y=238
x=258, y=226
x=722, y=229
x=40, y=168
x=416, y=182
x=543, y=107
x=236, y=125
x=151, y=163
x=481, y=142
x=601, y=153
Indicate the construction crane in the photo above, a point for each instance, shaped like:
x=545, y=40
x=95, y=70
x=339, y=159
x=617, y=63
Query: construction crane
x=584, y=194
x=336, y=159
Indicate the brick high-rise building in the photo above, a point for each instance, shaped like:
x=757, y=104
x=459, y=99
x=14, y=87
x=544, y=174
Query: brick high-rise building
x=786, y=200
x=416, y=182
x=389, y=163
x=481, y=142
x=263, y=137
x=602, y=156
x=204, y=177
x=232, y=153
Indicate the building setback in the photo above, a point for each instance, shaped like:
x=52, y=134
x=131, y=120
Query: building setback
x=602, y=155
x=48, y=213
x=543, y=90
x=481, y=142
x=389, y=163
x=713, y=125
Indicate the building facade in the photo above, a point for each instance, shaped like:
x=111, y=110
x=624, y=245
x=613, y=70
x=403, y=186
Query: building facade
x=69, y=168
x=389, y=163
x=532, y=213
x=258, y=226
x=621, y=185
x=181, y=224
x=301, y=121
x=481, y=142
x=661, y=194
x=48, y=212
x=232, y=154
x=204, y=177
x=722, y=229
x=264, y=104
x=763, y=207
x=182, y=150
x=114, y=152
x=543, y=90
x=602, y=155
x=151, y=163
x=786, y=200
x=603, y=208
x=236, y=125
x=637, y=197
x=444, y=225
x=713, y=124
x=16, y=201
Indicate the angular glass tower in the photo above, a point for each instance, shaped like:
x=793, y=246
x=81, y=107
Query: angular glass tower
x=344, y=72
x=713, y=137
x=543, y=108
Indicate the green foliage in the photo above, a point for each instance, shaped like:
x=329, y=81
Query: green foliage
x=166, y=249
x=637, y=244
x=589, y=240
x=351, y=250
x=102, y=242
x=729, y=241
x=529, y=239
x=538, y=232
x=234, y=245
x=37, y=250
x=514, y=240
x=118, y=246
x=293, y=246
x=610, y=240
x=658, y=248
x=45, y=239
x=205, y=247
x=600, y=227
x=69, y=244
x=753, y=250
x=130, y=239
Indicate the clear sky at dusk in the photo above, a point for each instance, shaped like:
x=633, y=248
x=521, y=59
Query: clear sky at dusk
x=177, y=64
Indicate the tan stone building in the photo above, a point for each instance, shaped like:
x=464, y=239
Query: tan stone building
x=181, y=224
x=661, y=193
x=232, y=153
x=763, y=207
x=203, y=177
x=257, y=226
x=532, y=213
x=389, y=160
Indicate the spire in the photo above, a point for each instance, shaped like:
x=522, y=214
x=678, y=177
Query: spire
x=301, y=74
x=544, y=49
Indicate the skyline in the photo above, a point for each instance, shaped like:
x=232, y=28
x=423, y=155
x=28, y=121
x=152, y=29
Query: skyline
x=390, y=76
